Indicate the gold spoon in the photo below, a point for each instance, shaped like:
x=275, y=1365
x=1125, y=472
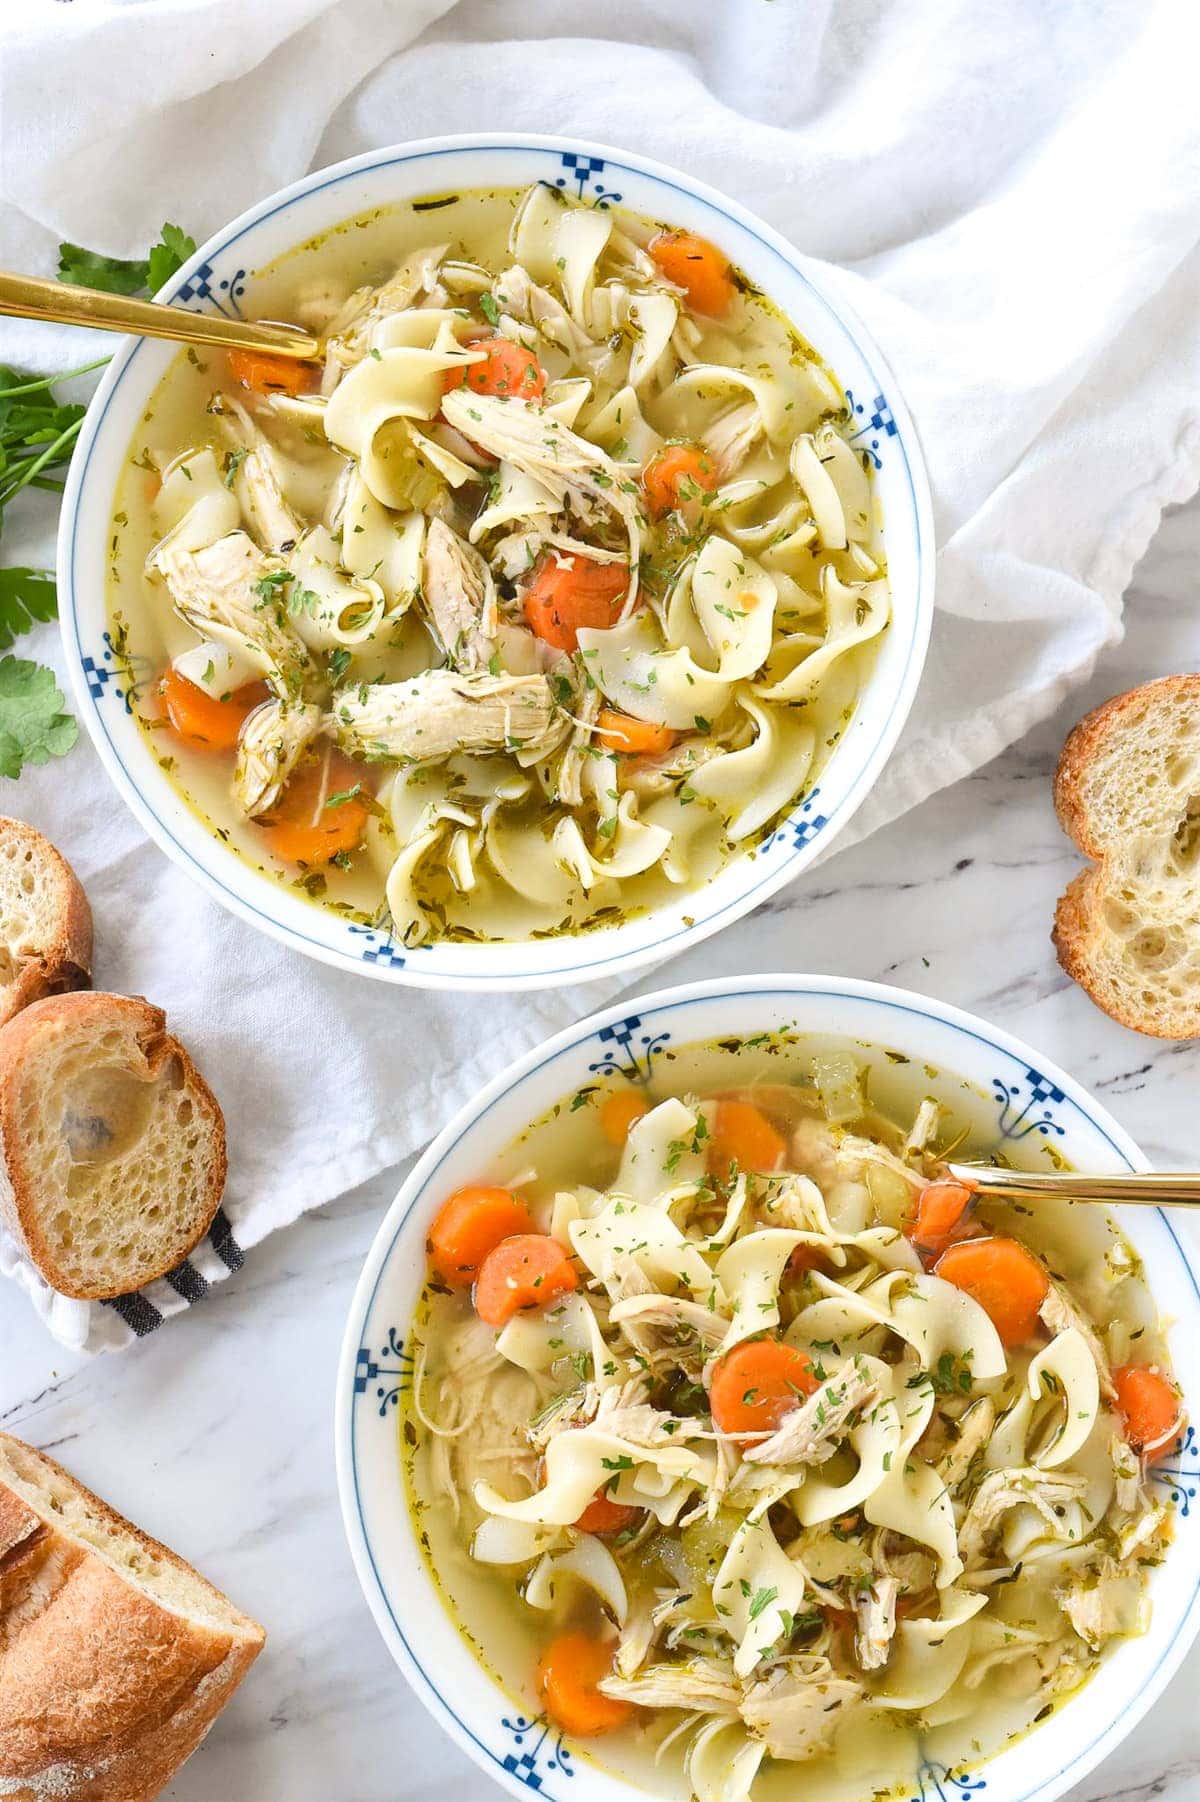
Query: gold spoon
x=1131, y=1188
x=29, y=297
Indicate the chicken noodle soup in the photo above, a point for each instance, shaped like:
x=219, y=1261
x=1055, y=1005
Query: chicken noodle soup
x=753, y=1452
x=548, y=588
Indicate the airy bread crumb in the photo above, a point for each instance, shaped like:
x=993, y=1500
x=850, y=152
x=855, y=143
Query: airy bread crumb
x=1127, y=790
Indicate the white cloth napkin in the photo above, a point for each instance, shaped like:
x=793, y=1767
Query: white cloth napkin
x=1008, y=192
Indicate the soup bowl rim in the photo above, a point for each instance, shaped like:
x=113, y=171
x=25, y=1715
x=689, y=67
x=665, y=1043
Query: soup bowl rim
x=1048, y=1759
x=746, y=879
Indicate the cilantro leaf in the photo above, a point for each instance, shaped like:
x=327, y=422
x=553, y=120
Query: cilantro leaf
x=33, y=725
x=27, y=596
x=91, y=269
x=172, y=251
x=126, y=275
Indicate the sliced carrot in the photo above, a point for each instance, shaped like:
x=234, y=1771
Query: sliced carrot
x=1151, y=1406
x=320, y=813
x=941, y=1208
x=635, y=738
x=1006, y=1280
x=505, y=370
x=530, y=1270
x=602, y=1515
x=266, y=374
x=806, y=1258
x=470, y=1225
x=204, y=721
x=696, y=266
x=620, y=1112
x=678, y=476
x=575, y=592
x=757, y=1384
x=568, y=1672
x=741, y=1134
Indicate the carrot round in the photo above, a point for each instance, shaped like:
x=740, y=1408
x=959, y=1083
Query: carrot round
x=470, y=1225
x=567, y=1674
x=620, y=1112
x=806, y=1258
x=1006, y=1280
x=530, y=1270
x=506, y=371
x=318, y=816
x=741, y=1134
x=696, y=266
x=202, y=720
x=265, y=374
x=602, y=1515
x=575, y=592
x=635, y=738
x=1151, y=1406
x=756, y=1384
x=678, y=476
x=940, y=1209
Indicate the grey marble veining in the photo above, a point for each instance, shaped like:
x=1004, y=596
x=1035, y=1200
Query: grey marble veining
x=215, y=1434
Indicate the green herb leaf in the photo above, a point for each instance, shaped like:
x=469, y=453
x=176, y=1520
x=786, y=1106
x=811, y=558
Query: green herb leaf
x=27, y=596
x=33, y=724
x=125, y=275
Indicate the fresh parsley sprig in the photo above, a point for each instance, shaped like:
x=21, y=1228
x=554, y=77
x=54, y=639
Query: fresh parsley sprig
x=37, y=437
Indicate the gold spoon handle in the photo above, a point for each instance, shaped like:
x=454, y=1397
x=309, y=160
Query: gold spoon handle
x=1131, y=1188
x=29, y=297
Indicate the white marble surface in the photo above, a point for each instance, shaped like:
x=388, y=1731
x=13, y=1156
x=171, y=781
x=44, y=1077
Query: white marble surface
x=216, y=1433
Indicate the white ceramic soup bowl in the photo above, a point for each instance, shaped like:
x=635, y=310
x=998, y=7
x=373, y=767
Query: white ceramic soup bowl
x=1007, y=1089
x=221, y=277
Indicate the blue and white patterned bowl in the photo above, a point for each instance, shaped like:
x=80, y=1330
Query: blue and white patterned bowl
x=221, y=277
x=1031, y=1102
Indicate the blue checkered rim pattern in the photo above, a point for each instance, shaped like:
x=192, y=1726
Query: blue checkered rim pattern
x=583, y=171
x=1019, y=1079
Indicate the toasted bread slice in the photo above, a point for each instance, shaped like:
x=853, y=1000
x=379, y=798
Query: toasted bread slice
x=1127, y=789
x=45, y=921
x=115, y=1656
x=112, y=1146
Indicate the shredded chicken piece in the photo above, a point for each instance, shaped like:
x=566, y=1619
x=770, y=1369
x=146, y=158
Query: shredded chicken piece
x=1127, y=1474
x=974, y=1431
x=732, y=436
x=527, y=303
x=636, y=1638
x=809, y=1434
x=797, y=1706
x=1097, y=1603
x=272, y=742
x=875, y=1613
x=568, y=778
x=914, y=1571
x=440, y=712
x=923, y=1127
x=460, y=596
x=225, y=593
x=534, y=440
x=258, y=487
x=703, y=1685
x=626, y=1276
x=670, y=1328
x=1044, y=1490
x=1058, y=1313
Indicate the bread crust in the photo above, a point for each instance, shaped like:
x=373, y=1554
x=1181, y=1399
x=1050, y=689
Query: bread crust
x=1086, y=741
x=29, y=1034
x=1080, y=930
x=63, y=963
x=104, y=1691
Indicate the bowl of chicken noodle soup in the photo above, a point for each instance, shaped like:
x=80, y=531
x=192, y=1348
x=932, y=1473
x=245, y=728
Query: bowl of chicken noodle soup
x=565, y=606
x=697, y=1436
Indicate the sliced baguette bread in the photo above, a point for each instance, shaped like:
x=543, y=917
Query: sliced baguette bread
x=1127, y=790
x=112, y=1146
x=115, y=1656
x=45, y=921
